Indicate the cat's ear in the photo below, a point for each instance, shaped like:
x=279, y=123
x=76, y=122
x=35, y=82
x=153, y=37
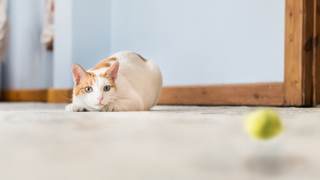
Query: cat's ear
x=78, y=73
x=112, y=71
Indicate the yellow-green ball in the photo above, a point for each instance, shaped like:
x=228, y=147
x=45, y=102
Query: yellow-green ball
x=263, y=124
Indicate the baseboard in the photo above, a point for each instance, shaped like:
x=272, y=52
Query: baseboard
x=39, y=95
x=59, y=95
x=265, y=94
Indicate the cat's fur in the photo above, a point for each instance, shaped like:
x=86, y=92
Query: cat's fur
x=135, y=84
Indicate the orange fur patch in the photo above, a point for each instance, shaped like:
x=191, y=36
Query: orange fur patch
x=84, y=82
x=104, y=63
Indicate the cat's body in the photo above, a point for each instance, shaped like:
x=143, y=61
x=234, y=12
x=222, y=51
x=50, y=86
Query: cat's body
x=123, y=82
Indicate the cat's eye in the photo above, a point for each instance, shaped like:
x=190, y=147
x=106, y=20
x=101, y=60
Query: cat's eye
x=107, y=88
x=88, y=89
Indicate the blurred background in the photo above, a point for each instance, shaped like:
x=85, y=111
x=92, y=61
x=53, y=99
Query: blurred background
x=193, y=42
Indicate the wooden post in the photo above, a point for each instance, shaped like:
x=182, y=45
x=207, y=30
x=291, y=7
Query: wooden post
x=298, y=84
x=316, y=62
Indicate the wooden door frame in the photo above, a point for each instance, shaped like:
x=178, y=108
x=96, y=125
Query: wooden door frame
x=300, y=78
x=299, y=53
x=316, y=54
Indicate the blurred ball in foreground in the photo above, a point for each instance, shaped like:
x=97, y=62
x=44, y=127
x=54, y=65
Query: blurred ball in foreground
x=263, y=124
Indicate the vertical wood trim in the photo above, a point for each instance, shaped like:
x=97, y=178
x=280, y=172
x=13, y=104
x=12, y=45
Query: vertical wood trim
x=293, y=54
x=316, y=62
x=298, y=52
x=308, y=52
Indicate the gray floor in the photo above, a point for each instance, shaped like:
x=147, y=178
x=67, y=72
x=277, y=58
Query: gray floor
x=43, y=142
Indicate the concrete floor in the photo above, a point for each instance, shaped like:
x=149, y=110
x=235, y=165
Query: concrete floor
x=41, y=141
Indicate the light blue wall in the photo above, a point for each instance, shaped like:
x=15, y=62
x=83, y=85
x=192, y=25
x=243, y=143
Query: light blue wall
x=82, y=35
x=193, y=41
x=63, y=44
x=29, y=65
x=91, y=31
x=204, y=41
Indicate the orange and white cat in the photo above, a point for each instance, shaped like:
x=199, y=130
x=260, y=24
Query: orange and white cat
x=123, y=82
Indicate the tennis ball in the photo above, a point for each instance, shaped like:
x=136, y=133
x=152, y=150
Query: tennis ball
x=263, y=124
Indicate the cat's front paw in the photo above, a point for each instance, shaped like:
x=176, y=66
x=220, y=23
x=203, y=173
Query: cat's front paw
x=109, y=108
x=74, y=108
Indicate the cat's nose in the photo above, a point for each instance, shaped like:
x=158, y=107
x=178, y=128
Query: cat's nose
x=100, y=99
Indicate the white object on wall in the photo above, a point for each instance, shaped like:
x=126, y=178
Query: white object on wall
x=4, y=30
x=48, y=24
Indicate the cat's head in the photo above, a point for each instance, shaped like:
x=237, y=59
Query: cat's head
x=95, y=88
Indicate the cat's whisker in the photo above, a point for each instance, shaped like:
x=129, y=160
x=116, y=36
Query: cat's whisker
x=64, y=97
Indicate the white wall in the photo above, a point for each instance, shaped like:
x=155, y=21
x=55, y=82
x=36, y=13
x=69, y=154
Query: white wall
x=193, y=41
x=29, y=65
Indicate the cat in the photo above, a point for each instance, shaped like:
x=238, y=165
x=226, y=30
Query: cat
x=123, y=82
